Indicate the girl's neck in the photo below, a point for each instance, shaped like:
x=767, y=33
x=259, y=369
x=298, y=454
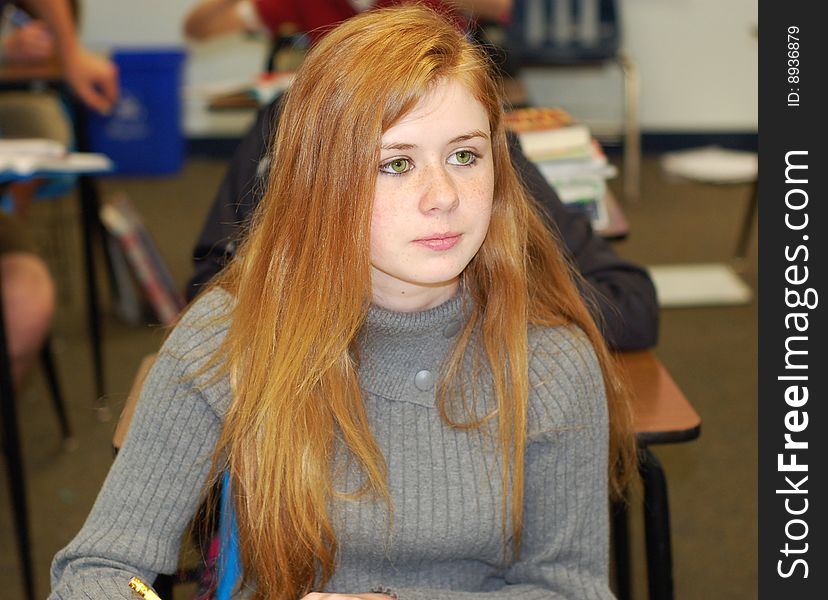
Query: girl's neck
x=412, y=298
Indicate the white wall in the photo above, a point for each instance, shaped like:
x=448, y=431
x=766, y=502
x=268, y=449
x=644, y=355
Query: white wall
x=697, y=61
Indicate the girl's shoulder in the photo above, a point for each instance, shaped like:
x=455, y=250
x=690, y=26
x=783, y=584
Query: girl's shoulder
x=566, y=385
x=566, y=346
x=190, y=351
x=203, y=323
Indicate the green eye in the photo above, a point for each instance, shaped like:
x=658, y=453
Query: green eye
x=463, y=157
x=397, y=166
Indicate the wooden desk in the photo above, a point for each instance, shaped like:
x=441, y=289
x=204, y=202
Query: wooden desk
x=233, y=101
x=661, y=412
x=661, y=415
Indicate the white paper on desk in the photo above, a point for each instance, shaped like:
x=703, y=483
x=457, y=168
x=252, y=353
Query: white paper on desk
x=30, y=147
x=78, y=162
x=75, y=162
x=712, y=164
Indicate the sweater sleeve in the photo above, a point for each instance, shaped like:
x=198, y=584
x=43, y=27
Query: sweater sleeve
x=565, y=546
x=153, y=487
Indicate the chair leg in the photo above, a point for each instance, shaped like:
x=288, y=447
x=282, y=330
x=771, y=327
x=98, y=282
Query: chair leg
x=740, y=254
x=632, y=132
x=17, y=489
x=621, y=549
x=88, y=196
x=656, y=527
x=48, y=362
x=14, y=465
x=91, y=232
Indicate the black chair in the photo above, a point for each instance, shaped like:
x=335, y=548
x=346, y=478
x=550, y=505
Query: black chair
x=580, y=33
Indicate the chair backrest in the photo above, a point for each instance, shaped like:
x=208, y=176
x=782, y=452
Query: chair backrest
x=560, y=32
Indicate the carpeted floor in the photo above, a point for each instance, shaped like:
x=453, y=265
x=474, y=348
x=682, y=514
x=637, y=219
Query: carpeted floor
x=711, y=352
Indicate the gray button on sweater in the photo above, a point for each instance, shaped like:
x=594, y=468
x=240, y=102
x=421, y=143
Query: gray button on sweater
x=446, y=538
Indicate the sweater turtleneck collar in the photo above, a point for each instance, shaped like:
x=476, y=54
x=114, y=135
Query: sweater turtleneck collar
x=402, y=353
x=381, y=321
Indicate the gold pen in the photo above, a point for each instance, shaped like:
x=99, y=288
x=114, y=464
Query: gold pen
x=142, y=589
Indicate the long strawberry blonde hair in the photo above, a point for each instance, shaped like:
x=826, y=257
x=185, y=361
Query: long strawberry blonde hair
x=302, y=285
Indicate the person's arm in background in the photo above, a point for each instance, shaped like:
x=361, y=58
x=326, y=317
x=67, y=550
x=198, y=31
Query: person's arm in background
x=93, y=79
x=31, y=42
x=623, y=293
x=493, y=10
x=210, y=18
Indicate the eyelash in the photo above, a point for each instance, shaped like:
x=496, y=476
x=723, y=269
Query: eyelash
x=474, y=158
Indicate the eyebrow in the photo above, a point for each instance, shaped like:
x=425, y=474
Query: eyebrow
x=460, y=138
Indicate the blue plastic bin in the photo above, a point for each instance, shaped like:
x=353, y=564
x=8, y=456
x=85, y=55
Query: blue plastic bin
x=143, y=135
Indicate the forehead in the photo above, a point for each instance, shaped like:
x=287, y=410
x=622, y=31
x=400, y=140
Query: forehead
x=449, y=106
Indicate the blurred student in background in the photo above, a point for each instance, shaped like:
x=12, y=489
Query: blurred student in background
x=27, y=288
x=28, y=297
x=36, y=36
x=211, y=18
x=30, y=113
x=92, y=78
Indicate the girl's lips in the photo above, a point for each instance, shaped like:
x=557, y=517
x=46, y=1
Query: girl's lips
x=440, y=242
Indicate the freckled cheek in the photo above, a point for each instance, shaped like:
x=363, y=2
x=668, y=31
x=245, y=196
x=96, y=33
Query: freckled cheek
x=385, y=216
x=387, y=226
x=479, y=194
x=377, y=236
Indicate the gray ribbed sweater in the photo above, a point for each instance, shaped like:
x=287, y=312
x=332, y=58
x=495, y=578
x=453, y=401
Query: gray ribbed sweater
x=446, y=538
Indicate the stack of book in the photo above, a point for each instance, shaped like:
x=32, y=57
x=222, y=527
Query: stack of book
x=567, y=155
